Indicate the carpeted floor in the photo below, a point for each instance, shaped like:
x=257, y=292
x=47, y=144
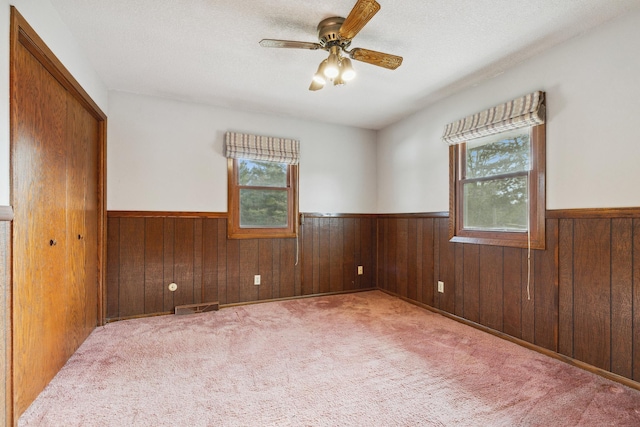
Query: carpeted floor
x=364, y=359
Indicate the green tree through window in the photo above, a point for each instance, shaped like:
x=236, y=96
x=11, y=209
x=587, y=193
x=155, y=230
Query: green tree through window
x=495, y=185
x=262, y=198
x=497, y=189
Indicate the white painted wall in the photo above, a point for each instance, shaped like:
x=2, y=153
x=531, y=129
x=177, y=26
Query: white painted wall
x=593, y=109
x=47, y=23
x=166, y=155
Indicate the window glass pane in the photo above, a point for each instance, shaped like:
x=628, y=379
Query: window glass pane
x=262, y=174
x=263, y=208
x=498, y=154
x=498, y=204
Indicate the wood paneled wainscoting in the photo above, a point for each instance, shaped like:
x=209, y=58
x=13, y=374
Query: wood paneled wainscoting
x=6, y=215
x=579, y=298
x=146, y=251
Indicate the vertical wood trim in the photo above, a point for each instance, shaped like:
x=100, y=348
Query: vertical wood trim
x=336, y=243
x=459, y=280
x=265, y=266
x=249, y=258
x=287, y=268
x=447, y=269
x=565, y=288
x=622, y=297
x=512, y=285
x=209, y=260
x=546, y=290
x=401, y=256
x=636, y=300
x=392, y=256
x=184, y=261
x=357, y=252
x=348, y=254
x=412, y=259
x=198, y=252
x=491, y=295
x=222, y=260
x=592, y=292
x=307, y=256
x=131, y=301
x=153, y=265
x=169, y=260
x=380, y=261
x=383, y=261
x=471, y=282
x=275, y=290
x=113, y=268
x=436, y=263
x=324, y=273
x=419, y=247
x=233, y=271
x=528, y=296
x=428, y=263
x=297, y=269
x=315, y=257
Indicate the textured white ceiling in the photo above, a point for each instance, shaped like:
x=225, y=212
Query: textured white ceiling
x=207, y=51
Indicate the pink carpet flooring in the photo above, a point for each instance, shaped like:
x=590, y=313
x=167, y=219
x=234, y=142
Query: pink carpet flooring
x=364, y=359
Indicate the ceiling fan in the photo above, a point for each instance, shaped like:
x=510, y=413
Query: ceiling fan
x=335, y=35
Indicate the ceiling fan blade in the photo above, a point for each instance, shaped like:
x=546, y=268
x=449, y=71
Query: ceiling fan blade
x=376, y=58
x=289, y=44
x=361, y=13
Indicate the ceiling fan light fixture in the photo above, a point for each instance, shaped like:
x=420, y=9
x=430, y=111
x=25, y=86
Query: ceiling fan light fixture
x=334, y=35
x=319, y=76
x=332, y=69
x=347, y=72
x=315, y=85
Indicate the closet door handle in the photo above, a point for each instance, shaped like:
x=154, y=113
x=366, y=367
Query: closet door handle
x=53, y=242
x=80, y=237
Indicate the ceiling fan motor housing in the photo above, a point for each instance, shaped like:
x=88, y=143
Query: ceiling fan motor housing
x=328, y=33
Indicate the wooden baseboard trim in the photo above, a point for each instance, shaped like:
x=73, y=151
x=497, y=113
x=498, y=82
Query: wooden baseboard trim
x=569, y=360
x=237, y=304
x=6, y=213
x=137, y=316
x=353, y=291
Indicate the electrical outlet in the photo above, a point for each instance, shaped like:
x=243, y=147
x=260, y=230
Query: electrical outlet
x=360, y=270
x=441, y=286
x=256, y=279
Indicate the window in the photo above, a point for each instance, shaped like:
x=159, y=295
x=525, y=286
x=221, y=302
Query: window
x=498, y=189
x=262, y=186
x=497, y=175
x=262, y=199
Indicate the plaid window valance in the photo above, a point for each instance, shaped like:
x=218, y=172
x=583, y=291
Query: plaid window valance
x=265, y=148
x=528, y=110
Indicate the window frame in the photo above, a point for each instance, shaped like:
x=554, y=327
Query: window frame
x=535, y=238
x=235, y=231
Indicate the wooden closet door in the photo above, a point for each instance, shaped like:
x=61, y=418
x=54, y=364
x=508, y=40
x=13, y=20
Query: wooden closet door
x=39, y=200
x=82, y=225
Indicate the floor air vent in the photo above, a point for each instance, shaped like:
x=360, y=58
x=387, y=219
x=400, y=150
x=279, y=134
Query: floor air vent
x=197, y=308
